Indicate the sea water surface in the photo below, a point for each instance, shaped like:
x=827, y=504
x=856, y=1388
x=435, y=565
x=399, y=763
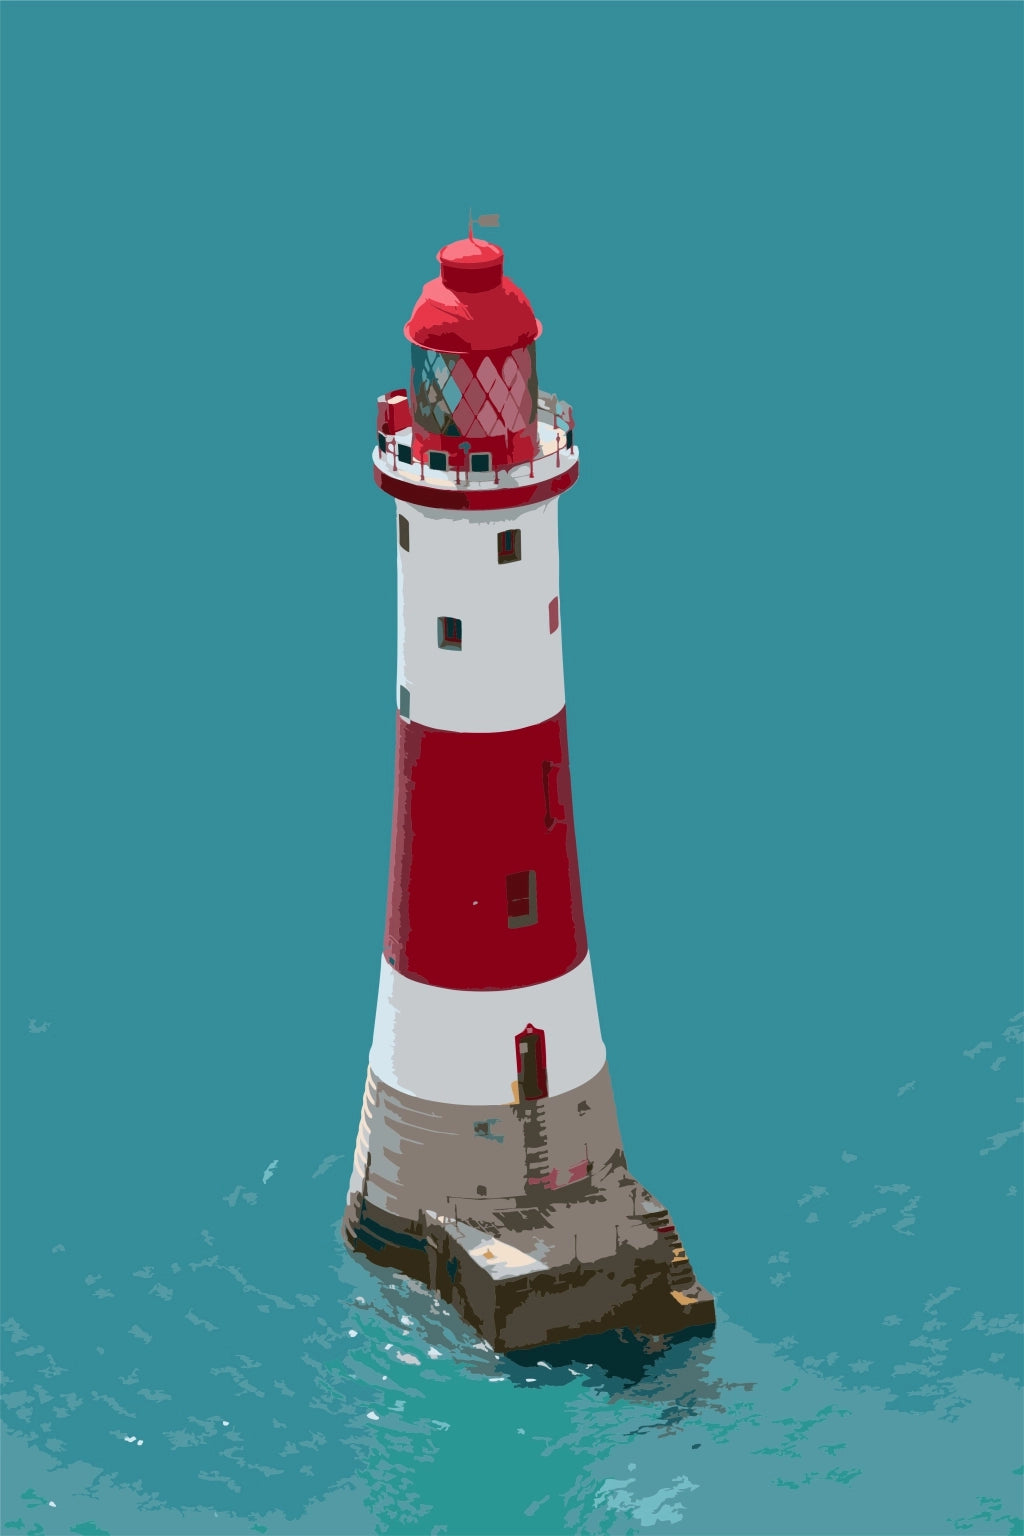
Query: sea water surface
x=235, y=1369
x=776, y=251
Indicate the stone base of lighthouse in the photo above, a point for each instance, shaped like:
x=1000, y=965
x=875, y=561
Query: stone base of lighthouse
x=524, y=1217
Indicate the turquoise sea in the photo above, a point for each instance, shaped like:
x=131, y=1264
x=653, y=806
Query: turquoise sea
x=777, y=253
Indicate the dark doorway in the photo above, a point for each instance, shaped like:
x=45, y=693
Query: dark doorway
x=532, y=1064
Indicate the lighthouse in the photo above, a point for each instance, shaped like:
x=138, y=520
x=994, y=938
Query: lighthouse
x=489, y=1164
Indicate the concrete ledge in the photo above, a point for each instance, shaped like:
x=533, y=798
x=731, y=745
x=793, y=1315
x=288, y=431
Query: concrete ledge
x=522, y=1307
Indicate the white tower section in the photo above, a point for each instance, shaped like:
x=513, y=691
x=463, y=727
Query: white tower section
x=508, y=672
x=453, y=1047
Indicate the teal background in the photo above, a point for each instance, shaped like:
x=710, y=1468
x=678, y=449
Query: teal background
x=776, y=250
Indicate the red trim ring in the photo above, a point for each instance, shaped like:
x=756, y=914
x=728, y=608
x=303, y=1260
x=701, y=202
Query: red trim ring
x=458, y=500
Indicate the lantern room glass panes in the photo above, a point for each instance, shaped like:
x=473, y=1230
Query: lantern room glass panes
x=453, y=400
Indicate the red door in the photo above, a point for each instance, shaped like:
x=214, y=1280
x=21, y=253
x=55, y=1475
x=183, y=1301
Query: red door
x=532, y=1064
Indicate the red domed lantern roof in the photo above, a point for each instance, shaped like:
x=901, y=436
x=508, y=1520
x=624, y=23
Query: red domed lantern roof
x=472, y=306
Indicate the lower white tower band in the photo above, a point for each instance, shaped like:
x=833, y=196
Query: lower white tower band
x=457, y=1047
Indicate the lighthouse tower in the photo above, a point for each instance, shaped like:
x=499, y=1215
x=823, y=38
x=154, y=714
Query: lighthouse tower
x=489, y=1163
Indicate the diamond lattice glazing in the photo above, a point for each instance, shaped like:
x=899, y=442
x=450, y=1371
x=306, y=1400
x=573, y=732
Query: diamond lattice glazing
x=453, y=400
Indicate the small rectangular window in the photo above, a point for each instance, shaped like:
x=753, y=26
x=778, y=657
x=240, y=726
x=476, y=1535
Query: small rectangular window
x=509, y=546
x=553, y=615
x=437, y=460
x=382, y=443
x=521, y=898
x=403, y=703
x=479, y=463
x=568, y=439
x=403, y=531
x=405, y=453
x=449, y=634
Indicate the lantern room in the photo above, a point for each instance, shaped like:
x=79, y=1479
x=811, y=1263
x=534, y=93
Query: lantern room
x=473, y=383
